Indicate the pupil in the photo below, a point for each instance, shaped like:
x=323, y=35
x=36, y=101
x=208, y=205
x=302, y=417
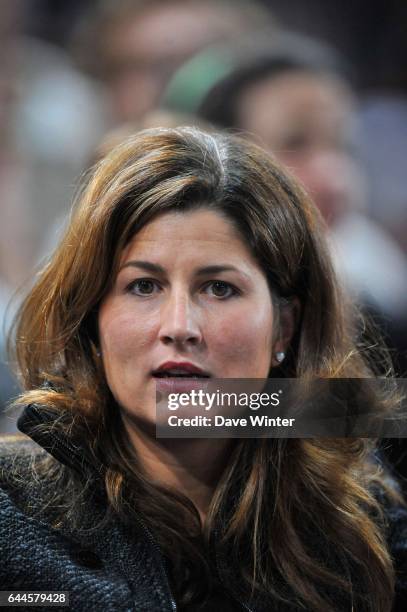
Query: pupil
x=145, y=286
x=219, y=288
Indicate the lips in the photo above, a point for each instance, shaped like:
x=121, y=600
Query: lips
x=179, y=377
x=184, y=369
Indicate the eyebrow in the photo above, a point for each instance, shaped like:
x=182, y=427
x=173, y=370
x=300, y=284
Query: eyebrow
x=156, y=268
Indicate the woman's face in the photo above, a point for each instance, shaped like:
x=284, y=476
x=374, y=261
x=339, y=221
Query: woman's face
x=188, y=290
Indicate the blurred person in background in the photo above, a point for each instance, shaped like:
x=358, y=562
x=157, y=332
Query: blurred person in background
x=135, y=46
x=14, y=229
x=51, y=118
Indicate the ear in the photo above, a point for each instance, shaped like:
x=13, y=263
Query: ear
x=289, y=316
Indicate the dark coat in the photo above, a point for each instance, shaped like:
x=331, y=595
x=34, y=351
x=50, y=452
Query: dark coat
x=117, y=569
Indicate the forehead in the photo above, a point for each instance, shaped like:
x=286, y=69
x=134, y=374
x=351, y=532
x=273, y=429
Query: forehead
x=200, y=232
x=309, y=87
x=298, y=97
x=146, y=33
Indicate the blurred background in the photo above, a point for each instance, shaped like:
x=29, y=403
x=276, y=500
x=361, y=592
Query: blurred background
x=322, y=85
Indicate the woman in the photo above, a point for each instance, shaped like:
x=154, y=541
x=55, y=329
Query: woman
x=189, y=252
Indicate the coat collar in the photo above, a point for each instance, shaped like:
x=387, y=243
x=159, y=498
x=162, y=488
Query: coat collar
x=65, y=449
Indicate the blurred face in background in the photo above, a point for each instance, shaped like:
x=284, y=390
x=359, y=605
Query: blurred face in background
x=143, y=48
x=305, y=120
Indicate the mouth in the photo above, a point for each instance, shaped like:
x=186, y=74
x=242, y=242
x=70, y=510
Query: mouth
x=180, y=370
x=176, y=376
x=179, y=377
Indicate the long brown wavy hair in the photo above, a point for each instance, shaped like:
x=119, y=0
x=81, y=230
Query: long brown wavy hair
x=298, y=516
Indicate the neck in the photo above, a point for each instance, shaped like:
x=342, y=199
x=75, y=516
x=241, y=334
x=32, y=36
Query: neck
x=191, y=466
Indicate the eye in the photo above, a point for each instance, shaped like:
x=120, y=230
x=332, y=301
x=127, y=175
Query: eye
x=221, y=289
x=142, y=286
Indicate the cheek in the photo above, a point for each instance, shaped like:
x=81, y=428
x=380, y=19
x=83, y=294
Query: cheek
x=245, y=336
x=124, y=340
x=123, y=337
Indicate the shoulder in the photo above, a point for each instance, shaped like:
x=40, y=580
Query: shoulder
x=22, y=482
x=37, y=485
x=18, y=454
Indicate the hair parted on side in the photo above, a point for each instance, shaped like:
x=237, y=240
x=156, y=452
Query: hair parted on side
x=282, y=489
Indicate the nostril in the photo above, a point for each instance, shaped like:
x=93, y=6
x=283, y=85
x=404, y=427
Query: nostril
x=178, y=339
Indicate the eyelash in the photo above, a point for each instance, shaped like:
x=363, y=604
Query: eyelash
x=233, y=290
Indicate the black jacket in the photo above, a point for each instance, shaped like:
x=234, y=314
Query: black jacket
x=118, y=569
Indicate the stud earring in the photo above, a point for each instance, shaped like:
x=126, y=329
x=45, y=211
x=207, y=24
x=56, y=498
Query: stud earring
x=280, y=356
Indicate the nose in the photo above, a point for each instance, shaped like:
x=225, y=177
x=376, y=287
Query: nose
x=179, y=322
